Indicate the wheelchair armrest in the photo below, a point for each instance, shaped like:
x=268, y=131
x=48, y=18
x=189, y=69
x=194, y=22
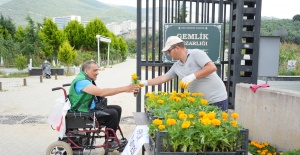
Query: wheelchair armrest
x=100, y=113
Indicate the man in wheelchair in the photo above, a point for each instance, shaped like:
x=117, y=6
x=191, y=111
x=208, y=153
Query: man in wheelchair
x=83, y=91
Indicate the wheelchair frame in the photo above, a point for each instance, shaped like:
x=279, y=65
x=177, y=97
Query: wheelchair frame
x=82, y=129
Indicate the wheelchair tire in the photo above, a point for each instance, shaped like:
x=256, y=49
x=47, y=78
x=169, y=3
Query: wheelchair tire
x=59, y=147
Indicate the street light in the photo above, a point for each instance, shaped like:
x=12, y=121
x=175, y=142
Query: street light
x=98, y=40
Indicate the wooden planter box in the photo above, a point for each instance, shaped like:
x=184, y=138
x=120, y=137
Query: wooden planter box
x=160, y=138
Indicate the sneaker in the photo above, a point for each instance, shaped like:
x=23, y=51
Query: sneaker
x=114, y=144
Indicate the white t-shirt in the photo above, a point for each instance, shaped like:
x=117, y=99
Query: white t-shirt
x=212, y=86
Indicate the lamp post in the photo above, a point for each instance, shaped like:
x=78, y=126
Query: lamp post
x=98, y=40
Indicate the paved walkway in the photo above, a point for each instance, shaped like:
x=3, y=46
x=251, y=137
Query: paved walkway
x=24, y=109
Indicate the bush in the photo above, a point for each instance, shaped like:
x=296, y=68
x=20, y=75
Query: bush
x=21, y=62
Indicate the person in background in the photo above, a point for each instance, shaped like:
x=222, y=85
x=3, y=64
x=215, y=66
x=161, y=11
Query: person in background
x=83, y=90
x=196, y=70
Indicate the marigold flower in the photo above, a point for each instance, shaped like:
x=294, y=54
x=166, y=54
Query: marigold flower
x=177, y=99
x=161, y=127
x=160, y=101
x=200, y=94
x=194, y=94
x=186, y=124
x=204, y=101
x=148, y=94
x=191, y=115
x=211, y=115
x=187, y=93
x=182, y=116
x=182, y=95
x=216, y=122
x=233, y=123
x=157, y=122
x=152, y=97
x=224, y=115
x=134, y=76
x=201, y=113
x=235, y=115
x=205, y=121
x=171, y=122
x=190, y=99
x=180, y=112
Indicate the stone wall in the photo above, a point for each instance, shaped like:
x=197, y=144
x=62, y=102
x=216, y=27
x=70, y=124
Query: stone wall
x=271, y=115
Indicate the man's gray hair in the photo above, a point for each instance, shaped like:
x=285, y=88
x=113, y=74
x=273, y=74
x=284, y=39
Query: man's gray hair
x=87, y=65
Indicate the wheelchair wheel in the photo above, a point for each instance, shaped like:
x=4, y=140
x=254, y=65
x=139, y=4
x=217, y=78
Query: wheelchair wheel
x=59, y=148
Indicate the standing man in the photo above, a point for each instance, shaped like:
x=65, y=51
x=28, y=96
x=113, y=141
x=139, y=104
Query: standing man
x=196, y=70
x=83, y=90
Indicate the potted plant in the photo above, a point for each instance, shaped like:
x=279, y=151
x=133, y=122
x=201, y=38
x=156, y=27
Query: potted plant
x=186, y=123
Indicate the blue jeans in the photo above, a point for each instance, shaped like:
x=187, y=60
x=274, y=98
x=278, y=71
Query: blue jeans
x=223, y=105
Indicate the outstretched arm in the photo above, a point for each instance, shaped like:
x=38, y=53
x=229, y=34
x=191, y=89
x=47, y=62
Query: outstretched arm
x=156, y=81
x=94, y=90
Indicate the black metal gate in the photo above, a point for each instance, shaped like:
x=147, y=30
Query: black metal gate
x=241, y=24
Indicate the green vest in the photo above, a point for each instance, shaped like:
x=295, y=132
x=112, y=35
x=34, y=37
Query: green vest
x=84, y=99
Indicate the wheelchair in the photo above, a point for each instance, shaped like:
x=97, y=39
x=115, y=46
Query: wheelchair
x=82, y=130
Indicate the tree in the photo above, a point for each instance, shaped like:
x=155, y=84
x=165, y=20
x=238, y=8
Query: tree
x=75, y=34
x=51, y=38
x=66, y=54
x=21, y=62
x=8, y=25
x=93, y=28
x=296, y=18
x=28, y=38
x=123, y=48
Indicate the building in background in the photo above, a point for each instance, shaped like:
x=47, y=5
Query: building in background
x=123, y=28
x=63, y=21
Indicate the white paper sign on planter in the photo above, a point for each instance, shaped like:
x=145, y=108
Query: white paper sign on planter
x=139, y=137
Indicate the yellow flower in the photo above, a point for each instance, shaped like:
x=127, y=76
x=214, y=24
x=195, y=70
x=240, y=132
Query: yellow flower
x=134, y=79
x=191, y=116
x=157, y=122
x=177, y=99
x=233, y=123
x=201, y=113
x=211, y=115
x=182, y=116
x=134, y=76
x=171, y=122
x=216, y=122
x=204, y=101
x=224, y=116
x=205, y=121
x=200, y=94
x=190, y=99
x=161, y=127
x=182, y=85
x=235, y=115
x=186, y=124
x=160, y=101
x=194, y=94
x=180, y=112
x=182, y=95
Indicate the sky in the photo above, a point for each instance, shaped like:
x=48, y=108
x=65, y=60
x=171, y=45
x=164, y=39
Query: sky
x=284, y=9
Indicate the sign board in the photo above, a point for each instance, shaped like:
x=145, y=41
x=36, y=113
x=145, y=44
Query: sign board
x=138, y=138
x=207, y=37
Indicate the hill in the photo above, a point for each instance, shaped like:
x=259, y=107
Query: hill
x=18, y=10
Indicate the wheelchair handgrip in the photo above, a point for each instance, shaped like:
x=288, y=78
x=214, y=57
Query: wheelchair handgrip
x=67, y=84
x=56, y=88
